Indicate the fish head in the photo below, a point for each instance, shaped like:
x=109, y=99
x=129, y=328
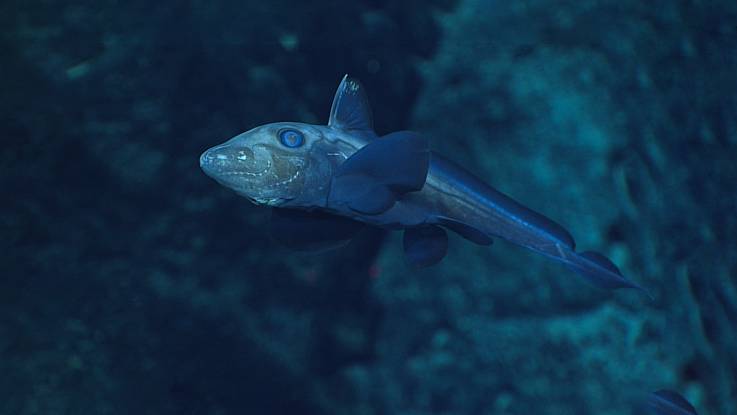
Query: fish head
x=277, y=164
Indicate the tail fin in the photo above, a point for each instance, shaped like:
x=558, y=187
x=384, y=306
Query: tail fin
x=667, y=402
x=600, y=271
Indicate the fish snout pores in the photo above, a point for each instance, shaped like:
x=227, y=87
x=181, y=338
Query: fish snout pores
x=226, y=160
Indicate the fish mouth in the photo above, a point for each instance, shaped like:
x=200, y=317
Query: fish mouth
x=239, y=170
x=225, y=163
x=267, y=201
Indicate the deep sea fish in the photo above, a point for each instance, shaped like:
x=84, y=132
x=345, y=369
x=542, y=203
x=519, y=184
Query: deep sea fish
x=666, y=402
x=328, y=181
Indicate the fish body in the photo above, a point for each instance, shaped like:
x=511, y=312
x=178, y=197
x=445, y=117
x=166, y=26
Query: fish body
x=325, y=182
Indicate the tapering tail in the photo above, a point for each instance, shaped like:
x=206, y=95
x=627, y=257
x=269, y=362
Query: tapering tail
x=600, y=271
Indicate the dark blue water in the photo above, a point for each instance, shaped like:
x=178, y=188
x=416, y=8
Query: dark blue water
x=132, y=283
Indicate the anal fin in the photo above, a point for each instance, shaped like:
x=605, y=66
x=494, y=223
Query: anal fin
x=425, y=245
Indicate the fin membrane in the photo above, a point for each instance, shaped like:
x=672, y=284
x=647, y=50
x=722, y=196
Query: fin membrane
x=665, y=402
x=373, y=178
x=467, y=231
x=600, y=271
x=302, y=230
x=425, y=245
x=362, y=194
x=351, y=109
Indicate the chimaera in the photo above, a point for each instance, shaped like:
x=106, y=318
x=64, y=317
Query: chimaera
x=325, y=182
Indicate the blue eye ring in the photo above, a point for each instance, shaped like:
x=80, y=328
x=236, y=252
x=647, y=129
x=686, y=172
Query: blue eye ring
x=291, y=138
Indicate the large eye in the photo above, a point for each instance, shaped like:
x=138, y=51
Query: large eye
x=291, y=138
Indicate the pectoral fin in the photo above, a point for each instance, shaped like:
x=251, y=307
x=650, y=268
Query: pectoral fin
x=362, y=194
x=425, y=245
x=311, y=231
x=373, y=178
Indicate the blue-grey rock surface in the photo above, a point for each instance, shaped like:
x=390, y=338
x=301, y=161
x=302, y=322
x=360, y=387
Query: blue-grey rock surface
x=131, y=283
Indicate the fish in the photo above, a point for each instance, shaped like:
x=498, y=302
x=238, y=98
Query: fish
x=325, y=183
x=668, y=402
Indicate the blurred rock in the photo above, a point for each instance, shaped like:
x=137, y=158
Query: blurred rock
x=614, y=120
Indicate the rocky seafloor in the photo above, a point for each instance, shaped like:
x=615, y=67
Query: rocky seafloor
x=132, y=283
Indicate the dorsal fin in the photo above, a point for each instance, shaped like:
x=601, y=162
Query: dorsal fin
x=351, y=110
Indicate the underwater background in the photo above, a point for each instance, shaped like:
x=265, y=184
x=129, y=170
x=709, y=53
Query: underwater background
x=132, y=283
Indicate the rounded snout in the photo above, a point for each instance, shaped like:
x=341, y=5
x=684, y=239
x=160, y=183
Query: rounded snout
x=227, y=160
x=208, y=160
x=211, y=159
